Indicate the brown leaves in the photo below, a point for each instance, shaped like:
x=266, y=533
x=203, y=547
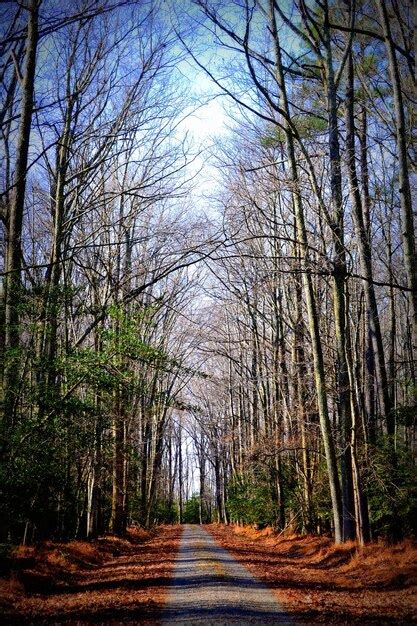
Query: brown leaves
x=317, y=581
x=110, y=578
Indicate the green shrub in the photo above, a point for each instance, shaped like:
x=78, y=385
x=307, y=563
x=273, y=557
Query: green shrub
x=250, y=501
x=192, y=510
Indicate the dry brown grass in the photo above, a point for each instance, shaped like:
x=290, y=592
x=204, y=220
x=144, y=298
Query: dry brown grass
x=318, y=581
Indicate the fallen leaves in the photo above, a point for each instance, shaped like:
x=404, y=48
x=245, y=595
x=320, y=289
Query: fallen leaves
x=115, y=580
x=319, y=582
x=107, y=579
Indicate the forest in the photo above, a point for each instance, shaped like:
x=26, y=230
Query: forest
x=209, y=273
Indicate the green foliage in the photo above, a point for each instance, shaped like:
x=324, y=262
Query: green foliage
x=38, y=472
x=42, y=486
x=391, y=486
x=274, y=137
x=250, y=501
x=368, y=64
x=192, y=510
x=321, y=495
x=92, y=367
x=121, y=347
x=406, y=416
x=165, y=513
x=123, y=339
x=307, y=127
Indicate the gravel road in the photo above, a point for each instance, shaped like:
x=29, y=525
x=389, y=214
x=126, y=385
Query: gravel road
x=210, y=587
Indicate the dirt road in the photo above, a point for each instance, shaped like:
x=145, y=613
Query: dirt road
x=210, y=587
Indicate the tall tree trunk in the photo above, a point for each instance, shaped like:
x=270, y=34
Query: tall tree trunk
x=301, y=397
x=202, y=470
x=339, y=287
x=180, y=477
x=364, y=248
x=48, y=327
x=118, y=518
x=368, y=355
x=407, y=218
x=313, y=322
x=218, y=486
x=13, y=297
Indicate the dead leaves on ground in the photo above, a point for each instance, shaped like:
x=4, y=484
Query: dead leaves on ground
x=317, y=581
x=109, y=578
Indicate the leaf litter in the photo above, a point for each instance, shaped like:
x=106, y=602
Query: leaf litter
x=107, y=580
x=317, y=581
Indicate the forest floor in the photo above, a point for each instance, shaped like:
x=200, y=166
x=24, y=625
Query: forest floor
x=108, y=580
x=318, y=582
x=112, y=581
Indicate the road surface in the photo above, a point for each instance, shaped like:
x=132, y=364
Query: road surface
x=210, y=587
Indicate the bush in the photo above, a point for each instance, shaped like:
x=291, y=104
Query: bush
x=391, y=487
x=192, y=510
x=250, y=501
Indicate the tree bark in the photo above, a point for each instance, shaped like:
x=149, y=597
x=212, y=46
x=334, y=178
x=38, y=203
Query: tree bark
x=339, y=286
x=407, y=218
x=14, y=294
x=365, y=257
x=313, y=323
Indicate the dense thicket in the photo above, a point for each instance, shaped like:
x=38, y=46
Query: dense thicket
x=262, y=360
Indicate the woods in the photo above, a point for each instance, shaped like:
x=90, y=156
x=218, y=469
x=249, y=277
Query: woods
x=208, y=328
